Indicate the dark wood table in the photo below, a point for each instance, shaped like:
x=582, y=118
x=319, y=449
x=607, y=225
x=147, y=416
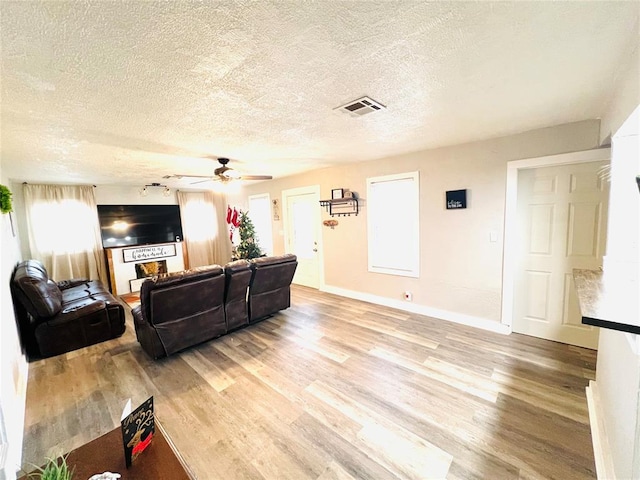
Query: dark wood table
x=160, y=461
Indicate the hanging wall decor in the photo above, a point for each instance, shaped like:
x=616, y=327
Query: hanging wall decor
x=456, y=199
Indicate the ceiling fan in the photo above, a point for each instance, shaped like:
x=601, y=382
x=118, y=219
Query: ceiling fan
x=222, y=174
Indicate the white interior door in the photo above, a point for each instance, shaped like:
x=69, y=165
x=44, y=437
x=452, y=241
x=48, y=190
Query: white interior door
x=302, y=227
x=562, y=217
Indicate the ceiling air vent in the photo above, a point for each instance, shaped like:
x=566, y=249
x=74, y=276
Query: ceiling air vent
x=361, y=106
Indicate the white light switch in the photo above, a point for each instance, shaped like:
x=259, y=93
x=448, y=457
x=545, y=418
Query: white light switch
x=493, y=236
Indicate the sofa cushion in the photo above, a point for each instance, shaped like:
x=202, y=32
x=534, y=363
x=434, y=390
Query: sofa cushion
x=275, y=260
x=237, y=266
x=83, y=290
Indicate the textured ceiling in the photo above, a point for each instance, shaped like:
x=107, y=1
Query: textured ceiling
x=126, y=92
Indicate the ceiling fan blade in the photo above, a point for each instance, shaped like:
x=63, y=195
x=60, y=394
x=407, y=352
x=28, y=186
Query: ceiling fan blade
x=209, y=179
x=255, y=177
x=179, y=177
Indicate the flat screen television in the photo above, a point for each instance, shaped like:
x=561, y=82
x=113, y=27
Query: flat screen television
x=127, y=225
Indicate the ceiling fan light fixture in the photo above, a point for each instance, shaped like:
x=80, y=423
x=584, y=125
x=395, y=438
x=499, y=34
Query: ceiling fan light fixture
x=144, y=191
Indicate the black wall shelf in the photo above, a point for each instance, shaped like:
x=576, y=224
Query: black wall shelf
x=341, y=207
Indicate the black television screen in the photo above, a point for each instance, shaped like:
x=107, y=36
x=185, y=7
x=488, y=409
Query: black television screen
x=126, y=225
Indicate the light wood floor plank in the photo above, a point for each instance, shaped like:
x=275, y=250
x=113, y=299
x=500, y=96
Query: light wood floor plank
x=334, y=388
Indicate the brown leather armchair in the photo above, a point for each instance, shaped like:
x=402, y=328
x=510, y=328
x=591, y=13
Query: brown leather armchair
x=55, y=318
x=180, y=309
x=270, y=286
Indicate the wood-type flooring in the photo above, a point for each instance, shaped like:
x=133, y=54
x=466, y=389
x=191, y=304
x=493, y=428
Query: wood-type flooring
x=334, y=388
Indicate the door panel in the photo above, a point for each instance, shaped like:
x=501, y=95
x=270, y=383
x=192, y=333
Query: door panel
x=584, y=225
x=541, y=228
x=561, y=226
x=537, y=288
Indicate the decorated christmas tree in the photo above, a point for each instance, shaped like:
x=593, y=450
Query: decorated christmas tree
x=248, y=246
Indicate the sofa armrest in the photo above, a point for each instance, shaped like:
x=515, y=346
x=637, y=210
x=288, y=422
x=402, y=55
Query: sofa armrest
x=74, y=282
x=138, y=318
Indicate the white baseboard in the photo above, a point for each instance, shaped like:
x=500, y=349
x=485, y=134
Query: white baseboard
x=601, y=449
x=478, y=322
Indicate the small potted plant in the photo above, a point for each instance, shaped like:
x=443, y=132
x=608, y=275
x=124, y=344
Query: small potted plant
x=55, y=469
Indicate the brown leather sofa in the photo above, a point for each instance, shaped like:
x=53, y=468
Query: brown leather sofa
x=180, y=309
x=55, y=318
x=270, y=286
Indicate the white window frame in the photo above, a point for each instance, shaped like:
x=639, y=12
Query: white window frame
x=266, y=244
x=408, y=234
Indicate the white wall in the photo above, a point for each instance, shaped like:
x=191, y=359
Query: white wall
x=13, y=366
x=458, y=260
x=618, y=367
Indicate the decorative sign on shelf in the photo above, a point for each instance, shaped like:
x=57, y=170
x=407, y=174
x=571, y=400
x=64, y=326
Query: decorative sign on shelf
x=456, y=199
x=147, y=253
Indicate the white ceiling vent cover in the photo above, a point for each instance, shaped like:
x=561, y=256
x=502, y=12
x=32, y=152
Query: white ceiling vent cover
x=361, y=106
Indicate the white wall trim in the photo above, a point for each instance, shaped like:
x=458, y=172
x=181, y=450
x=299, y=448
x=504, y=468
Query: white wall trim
x=601, y=449
x=510, y=220
x=469, y=320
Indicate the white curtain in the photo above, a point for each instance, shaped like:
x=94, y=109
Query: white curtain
x=64, y=232
x=204, y=228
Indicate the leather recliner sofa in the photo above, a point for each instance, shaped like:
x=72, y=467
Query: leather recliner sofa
x=179, y=310
x=58, y=317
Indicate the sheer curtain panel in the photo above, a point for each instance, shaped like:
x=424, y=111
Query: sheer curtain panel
x=204, y=228
x=64, y=232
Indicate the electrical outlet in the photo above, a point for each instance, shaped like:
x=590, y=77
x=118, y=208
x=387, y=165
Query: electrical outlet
x=408, y=296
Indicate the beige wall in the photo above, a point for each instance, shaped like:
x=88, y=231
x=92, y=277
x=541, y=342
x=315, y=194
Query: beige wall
x=457, y=259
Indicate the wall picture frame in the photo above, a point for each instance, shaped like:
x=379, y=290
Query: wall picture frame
x=337, y=193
